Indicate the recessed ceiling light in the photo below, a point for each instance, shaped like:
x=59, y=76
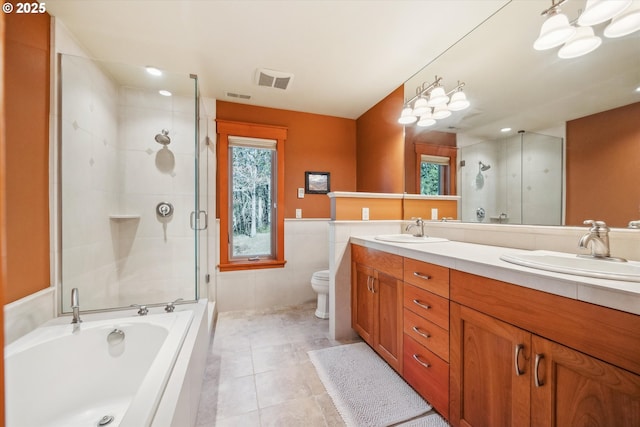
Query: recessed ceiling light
x=153, y=71
x=505, y=129
x=164, y=92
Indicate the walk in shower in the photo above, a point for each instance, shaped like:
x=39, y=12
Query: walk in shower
x=129, y=200
x=513, y=180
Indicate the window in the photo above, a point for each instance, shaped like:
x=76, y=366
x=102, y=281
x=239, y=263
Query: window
x=251, y=189
x=436, y=169
x=434, y=175
x=250, y=195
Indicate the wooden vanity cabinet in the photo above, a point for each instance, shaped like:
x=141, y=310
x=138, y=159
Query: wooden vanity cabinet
x=521, y=357
x=376, y=302
x=426, y=332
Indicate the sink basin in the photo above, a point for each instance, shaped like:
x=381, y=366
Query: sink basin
x=573, y=264
x=408, y=238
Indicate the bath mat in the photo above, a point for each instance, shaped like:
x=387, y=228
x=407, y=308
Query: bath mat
x=433, y=420
x=364, y=389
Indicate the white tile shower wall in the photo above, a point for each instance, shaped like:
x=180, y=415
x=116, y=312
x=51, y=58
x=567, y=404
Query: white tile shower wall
x=89, y=181
x=306, y=251
x=156, y=255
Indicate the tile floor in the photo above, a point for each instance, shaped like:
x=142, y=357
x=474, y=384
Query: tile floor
x=259, y=374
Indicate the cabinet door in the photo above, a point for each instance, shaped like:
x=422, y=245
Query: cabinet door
x=388, y=319
x=490, y=375
x=362, y=301
x=573, y=389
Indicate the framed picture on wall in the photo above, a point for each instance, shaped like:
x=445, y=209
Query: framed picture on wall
x=316, y=182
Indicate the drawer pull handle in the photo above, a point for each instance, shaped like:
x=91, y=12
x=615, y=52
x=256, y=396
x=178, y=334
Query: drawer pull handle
x=417, y=359
x=536, y=377
x=419, y=303
x=419, y=332
x=421, y=276
x=518, y=350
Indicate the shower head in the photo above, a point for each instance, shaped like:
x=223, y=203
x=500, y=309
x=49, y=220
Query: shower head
x=484, y=167
x=163, y=138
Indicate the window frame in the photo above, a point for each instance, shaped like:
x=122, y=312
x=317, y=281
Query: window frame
x=437, y=151
x=226, y=129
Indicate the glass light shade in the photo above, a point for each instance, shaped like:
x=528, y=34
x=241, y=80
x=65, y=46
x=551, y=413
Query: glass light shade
x=625, y=23
x=441, y=112
x=597, y=11
x=420, y=107
x=438, y=97
x=583, y=42
x=458, y=101
x=555, y=31
x=426, y=120
x=407, y=117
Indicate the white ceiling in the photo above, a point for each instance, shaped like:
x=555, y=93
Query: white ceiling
x=346, y=55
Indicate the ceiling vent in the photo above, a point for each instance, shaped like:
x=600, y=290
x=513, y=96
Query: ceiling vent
x=238, y=95
x=271, y=78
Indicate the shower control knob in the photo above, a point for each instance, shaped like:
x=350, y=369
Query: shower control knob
x=164, y=209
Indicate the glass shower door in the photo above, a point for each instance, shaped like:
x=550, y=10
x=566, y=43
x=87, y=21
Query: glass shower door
x=128, y=184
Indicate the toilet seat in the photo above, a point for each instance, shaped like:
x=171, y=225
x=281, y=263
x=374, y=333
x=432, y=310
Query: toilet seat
x=320, y=284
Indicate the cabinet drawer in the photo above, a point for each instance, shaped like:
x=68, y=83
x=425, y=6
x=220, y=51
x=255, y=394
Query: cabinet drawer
x=433, y=278
x=427, y=374
x=417, y=300
x=381, y=261
x=427, y=333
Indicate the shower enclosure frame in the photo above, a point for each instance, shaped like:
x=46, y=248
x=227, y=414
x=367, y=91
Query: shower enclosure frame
x=197, y=219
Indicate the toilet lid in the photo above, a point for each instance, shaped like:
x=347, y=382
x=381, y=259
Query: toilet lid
x=321, y=275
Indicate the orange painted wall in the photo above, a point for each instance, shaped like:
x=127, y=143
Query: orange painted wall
x=380, y=146
x=603, y=167
x=314, y=143
x=3, y=205
x=26, y=82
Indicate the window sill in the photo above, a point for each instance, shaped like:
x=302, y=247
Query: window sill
x=251, y=265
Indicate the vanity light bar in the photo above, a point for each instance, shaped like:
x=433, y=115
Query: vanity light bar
x=432, y=102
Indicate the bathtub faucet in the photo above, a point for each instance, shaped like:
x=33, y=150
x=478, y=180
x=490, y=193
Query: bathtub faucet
x=142, y=309
x=75, y=306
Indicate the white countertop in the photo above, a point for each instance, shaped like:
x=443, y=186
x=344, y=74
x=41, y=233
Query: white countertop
x=484, y=260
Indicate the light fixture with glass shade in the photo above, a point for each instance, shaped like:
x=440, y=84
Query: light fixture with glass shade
x=598, y=11
x=582, y=42
x=433, y=95
x=458, y=101
x=555, y=30
x=625, y=23
x=426, y=120
x=420, y=107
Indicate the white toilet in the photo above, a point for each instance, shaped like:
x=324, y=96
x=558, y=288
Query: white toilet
x=320, y=284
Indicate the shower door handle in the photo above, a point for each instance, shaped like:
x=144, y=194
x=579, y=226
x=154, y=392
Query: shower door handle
x=192, y=220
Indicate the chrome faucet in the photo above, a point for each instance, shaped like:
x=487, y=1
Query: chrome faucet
x=419, y=224
x=75, y=306
x=597, y=239
x=634, y=224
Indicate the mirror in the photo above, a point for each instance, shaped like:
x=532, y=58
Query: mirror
x=509, y=84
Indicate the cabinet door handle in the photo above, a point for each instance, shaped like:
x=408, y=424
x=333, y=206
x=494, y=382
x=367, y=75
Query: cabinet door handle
x=518, y=350
x=419, y=332
x=421, y=276
x=419, y=303
x=417, y=359
x=536, y=377
x=369, y=283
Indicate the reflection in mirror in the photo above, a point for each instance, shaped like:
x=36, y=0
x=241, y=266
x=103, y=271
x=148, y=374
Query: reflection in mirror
x=515, y=180
x=510, y=84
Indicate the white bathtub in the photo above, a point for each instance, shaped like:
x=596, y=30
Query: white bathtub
x=58, y=377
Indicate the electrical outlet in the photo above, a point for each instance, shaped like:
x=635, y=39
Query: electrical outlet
x=365, y=214
x=300, y=193
x=298, y=213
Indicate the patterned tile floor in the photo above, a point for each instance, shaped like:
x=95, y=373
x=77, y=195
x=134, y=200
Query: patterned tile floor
x=259, y=374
